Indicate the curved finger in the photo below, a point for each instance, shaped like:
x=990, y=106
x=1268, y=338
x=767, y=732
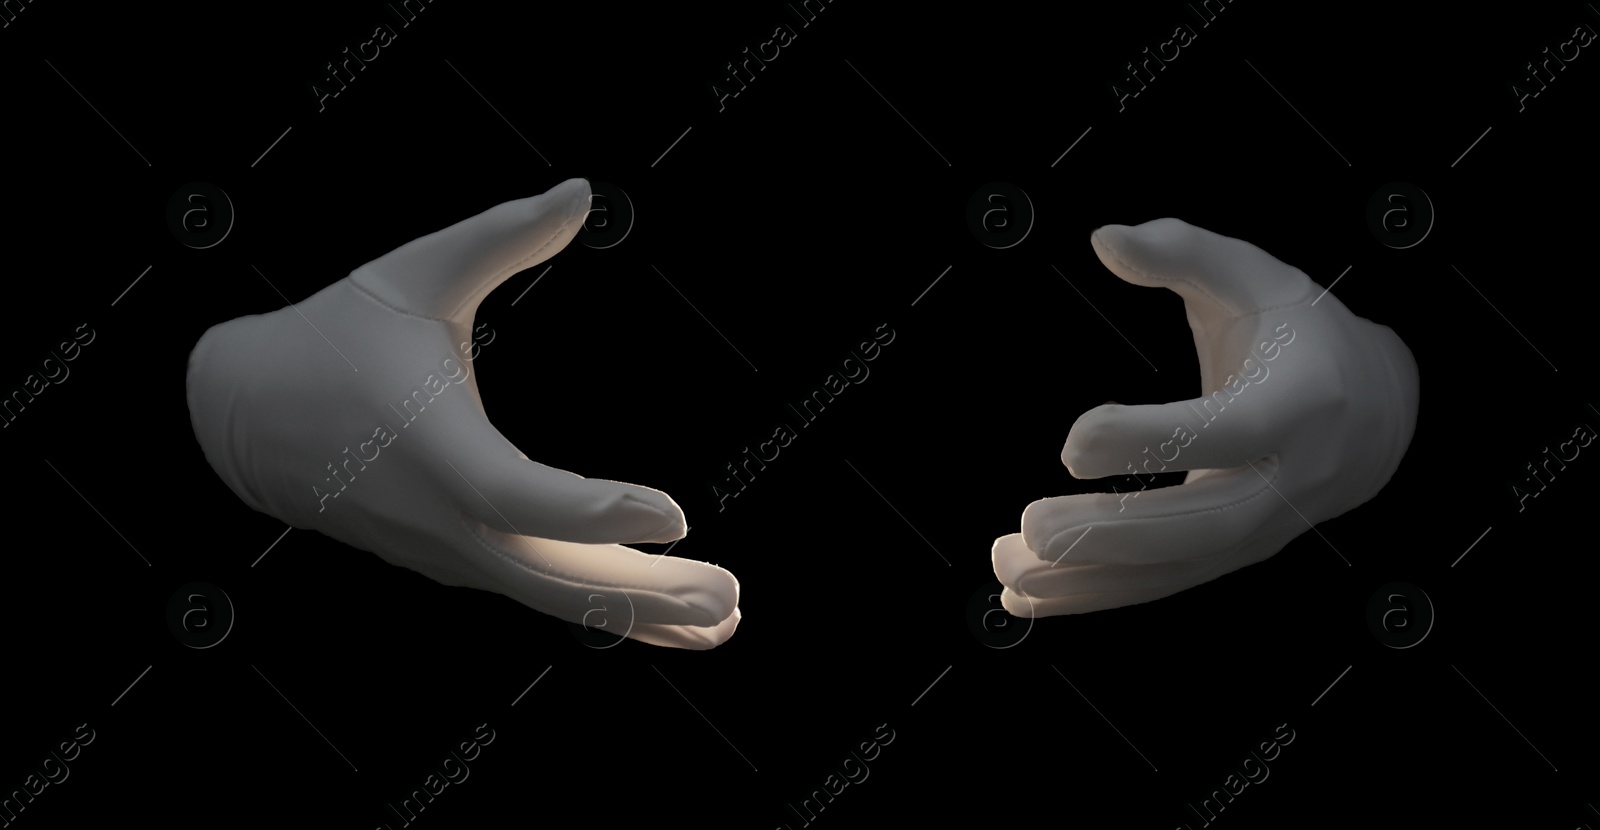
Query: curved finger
x=489, y=478
x=444, y=275
x=1201, y=266
x=693, y=638
x=610, y=587
x=1019, y=568
x=1203, y=517
x=1216, y=431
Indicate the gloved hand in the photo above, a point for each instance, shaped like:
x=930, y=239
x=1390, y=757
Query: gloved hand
x=1305, y=412
x=353, y=413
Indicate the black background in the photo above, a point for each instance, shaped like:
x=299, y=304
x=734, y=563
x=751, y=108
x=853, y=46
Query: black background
x=797, y=219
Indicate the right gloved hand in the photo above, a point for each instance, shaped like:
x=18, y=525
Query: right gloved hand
x=353, y=414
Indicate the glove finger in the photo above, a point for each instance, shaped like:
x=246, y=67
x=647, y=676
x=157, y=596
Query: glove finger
x=1201, y=518
x=444, y=275
x=1019, y=568
x=1221, y=430
x=490, y=479
x=607, y=587
x=1020, y=605
x=691, y=637
x=1205, y=268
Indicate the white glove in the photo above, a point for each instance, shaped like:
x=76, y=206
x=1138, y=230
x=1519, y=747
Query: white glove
x=1306, y=410
x=353, y=413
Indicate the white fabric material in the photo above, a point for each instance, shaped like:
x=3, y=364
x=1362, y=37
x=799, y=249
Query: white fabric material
x=1305, y=412
x=355, y=412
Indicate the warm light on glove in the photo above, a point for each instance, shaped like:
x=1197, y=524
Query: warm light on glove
x=356, y=413
x=1305, y=412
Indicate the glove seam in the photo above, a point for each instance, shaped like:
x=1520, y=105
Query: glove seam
x=369, y=294
x=1281, y=307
